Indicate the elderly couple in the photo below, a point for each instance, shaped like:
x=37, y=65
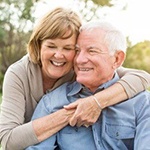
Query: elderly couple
x=83, y=114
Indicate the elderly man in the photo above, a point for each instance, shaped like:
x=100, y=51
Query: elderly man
x=125, y=126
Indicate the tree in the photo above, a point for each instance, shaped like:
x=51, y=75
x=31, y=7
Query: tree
x=89, y=8
x=138, y=56
x=15, y=24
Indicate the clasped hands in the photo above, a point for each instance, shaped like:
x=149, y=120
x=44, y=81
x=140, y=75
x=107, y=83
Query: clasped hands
x=86, y=112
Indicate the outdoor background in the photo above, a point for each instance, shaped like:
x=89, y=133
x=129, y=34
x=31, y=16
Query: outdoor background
x=18, y=17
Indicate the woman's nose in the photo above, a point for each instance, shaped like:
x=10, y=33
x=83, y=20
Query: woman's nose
x=58, y=54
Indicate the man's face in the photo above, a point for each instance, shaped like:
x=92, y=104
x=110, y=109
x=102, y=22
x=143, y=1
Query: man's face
x=93, y=64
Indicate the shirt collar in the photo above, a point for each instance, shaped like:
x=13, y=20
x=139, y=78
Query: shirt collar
x=79, y=88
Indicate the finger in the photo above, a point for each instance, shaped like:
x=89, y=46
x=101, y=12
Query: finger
x=71, y=106
x=79, y=124
x=73, y=121
x=83, y=123
x=75, y=118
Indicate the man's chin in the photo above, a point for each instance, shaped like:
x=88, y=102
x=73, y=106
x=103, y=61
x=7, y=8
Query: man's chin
x=82, y=80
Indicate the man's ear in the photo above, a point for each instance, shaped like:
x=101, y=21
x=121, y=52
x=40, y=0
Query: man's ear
x=120, y=57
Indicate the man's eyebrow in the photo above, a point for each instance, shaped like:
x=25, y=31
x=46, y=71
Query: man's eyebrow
x=93, y=46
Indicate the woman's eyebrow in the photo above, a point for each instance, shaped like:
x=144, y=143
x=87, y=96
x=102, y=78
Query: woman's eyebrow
x=49, y=42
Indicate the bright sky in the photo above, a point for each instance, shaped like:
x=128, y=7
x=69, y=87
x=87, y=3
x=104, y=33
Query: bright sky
x=134, y=21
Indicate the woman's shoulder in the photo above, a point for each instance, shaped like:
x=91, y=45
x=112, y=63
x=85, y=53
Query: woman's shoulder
x=19, y=65
x=23, y=68
x=22, y=65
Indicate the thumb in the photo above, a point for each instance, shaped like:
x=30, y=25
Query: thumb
x=71, y=106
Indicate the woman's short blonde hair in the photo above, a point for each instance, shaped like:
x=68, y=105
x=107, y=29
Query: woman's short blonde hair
x=53, y=25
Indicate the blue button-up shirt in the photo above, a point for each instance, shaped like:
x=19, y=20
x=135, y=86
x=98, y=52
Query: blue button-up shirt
x=124, y=126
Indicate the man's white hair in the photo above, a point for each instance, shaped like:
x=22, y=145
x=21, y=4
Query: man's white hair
x=114, y=38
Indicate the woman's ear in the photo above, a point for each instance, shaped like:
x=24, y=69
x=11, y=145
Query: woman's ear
x=120, y=57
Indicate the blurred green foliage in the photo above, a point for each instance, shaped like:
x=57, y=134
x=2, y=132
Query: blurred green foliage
x=138, y=56
x=16, y=21
x=0, y=98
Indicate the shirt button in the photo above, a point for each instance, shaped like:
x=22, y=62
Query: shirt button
x=117, y=133
x=76, y=129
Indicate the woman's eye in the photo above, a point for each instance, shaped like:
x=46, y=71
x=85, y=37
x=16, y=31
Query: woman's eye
x=51, y=47
x=68, y=48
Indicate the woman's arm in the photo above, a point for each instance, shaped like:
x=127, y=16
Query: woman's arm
x=16, y=132
x=47, y=126
x=132, y=82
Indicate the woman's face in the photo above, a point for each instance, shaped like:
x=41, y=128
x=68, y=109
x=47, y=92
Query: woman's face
x=57, y=56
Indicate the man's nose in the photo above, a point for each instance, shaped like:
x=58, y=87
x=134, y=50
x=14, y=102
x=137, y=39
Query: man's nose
x=81, y=57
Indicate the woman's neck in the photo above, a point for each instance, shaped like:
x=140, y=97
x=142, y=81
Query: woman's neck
x=48, y=83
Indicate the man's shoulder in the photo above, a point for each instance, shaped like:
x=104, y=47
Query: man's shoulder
x=135, y=104
x=144, y=96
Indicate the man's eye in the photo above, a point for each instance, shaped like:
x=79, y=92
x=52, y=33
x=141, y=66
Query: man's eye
x=92, y=51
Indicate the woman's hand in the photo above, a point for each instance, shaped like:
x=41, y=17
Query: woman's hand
x=87, y=112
